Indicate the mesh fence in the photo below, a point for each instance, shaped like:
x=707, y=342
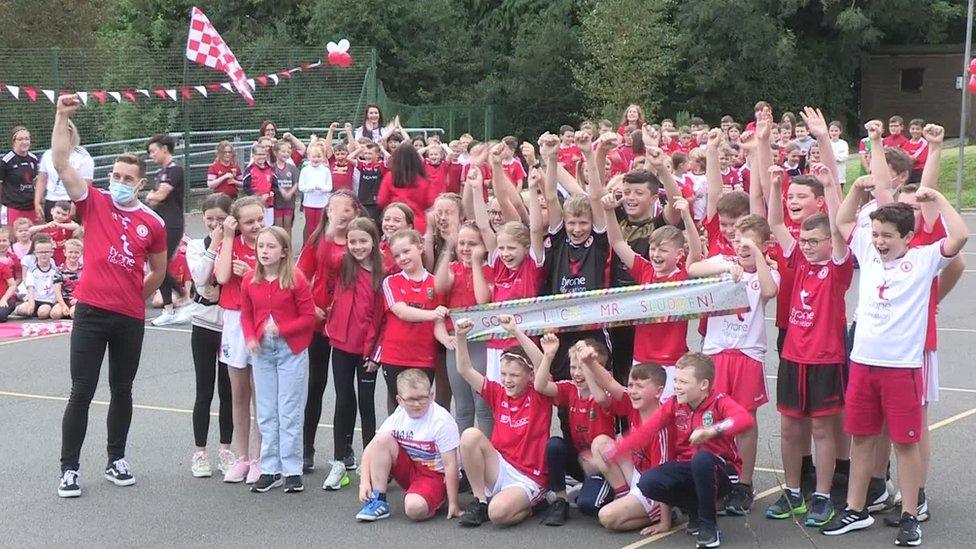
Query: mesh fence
x=477, y=120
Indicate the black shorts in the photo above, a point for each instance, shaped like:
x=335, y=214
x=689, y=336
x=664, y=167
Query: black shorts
x=38, y=305
x=810, y=390
x=391, y=373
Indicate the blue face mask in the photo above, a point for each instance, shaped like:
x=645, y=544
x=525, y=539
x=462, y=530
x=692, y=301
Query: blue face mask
x=121, y=193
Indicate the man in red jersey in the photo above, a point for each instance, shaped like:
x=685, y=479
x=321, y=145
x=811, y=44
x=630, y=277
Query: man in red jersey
x=122, y=235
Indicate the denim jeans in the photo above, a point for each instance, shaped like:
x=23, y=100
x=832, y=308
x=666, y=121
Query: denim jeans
x=281, y=387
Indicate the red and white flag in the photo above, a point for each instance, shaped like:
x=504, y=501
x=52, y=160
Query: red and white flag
x=204, y=46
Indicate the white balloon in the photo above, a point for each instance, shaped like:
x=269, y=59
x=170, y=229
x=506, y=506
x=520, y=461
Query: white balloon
x=343, y=45
x=332, y=47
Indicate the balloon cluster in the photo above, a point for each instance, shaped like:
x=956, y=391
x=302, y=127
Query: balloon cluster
x=339, y=53
x=972, y=77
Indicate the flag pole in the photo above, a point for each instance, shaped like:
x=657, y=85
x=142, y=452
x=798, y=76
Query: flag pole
x=186, y=135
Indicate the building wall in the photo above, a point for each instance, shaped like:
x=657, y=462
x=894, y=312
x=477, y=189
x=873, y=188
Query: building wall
x=937, y=101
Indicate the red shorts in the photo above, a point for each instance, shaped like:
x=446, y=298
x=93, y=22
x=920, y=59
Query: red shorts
x=878, y=396
x=14, y=215
x=284, y=212
x=414, y=478
x=740, y=377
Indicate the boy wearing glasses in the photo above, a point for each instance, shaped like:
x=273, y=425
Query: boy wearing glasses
x=418, y=447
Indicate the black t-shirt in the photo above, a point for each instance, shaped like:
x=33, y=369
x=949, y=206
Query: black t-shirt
x=571, y=268
x=369, y=185
x=17, y=174
x=171, y=208
x=636, y=235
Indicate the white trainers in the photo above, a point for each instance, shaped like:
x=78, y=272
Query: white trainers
x=183, y=314
x=337, y=477
x=165, y=319
x=200, y=466
x=225, y=460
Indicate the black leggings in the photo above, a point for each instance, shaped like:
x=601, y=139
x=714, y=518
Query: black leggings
x=95, y=329
x=345, y=367
x=173, y=237
x=205, y=345
x=318, y=379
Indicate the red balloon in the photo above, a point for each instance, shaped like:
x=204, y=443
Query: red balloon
x=334, y=57
x=972, y=85
x=340, y=59
x=972, y=66
x=345, y=60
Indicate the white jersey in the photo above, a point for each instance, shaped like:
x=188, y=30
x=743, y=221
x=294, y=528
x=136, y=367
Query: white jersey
x=425, y=438
x=80, y=160
x=744, y=332
x=43, y=283
x=892, y=300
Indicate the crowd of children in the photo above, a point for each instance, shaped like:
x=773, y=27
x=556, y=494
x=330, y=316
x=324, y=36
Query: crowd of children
x=399, y=232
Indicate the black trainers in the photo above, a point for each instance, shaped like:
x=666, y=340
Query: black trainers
x=350, y=461
x=740, y=499
x=119, y=473
x=293, y=483
x=68, y=485
x=266, y=482
x=709, y=536
x=475, y=514
x=879, y=498
x=909, y=532
x=558, y=513
x=921, y=512
x=847, y=521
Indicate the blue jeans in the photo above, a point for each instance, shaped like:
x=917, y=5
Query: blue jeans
x=281, y=388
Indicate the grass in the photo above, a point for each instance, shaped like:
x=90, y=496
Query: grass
x=947, y=179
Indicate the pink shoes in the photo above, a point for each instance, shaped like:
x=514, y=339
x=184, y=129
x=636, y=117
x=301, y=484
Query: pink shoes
x=239, y=471
x=254, y=472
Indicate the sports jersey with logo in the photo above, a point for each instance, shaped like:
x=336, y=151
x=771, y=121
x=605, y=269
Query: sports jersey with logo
x=425, y=438
x=521, y=430
x=404, y=343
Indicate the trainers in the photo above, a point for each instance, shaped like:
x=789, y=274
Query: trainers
x=909, y=532
x=253, y=471
x=475, y=514
x=821, y=511
x=266, y=482
x=200, y=465
x=692, y=527
x=68, y=486
x=921, y=512
x=709, y=536
x=788, y=504
x=337, y=477
x=225, y=460
x=350, y=461
x=238, y=471
x=740, y=499
x=558, y=513
x=293, y=484
x=847, y=521
x=119, y=473
x=183, y=315
x=374, y=509
x=165, y=319
x=308, y=463
x=879, y=497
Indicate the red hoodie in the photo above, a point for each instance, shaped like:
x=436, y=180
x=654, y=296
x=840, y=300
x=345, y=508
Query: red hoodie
x=714, y=410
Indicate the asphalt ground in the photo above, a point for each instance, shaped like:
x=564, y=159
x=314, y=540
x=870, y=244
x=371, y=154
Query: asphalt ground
x=168, y=507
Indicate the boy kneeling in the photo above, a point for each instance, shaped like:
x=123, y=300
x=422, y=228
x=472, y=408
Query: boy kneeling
x=417, y=446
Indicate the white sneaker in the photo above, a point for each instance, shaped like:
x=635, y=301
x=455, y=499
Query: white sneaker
x=165, y=319
x=200, y=466
x=184, y=314
x=337, y=477
x=225, y=460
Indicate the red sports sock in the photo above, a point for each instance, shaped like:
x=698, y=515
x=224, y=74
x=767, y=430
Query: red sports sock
x=620, y=491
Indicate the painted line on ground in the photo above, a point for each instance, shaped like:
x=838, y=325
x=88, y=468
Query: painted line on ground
x=776, y=489
x=164, y=329
x=34, y=338
x=35, y=396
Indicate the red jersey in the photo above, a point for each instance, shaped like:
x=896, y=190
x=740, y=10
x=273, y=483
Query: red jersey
x=715, y=410
x=320, y=264
x=10, y=259
x=462, y=290
x=117, y=241
x=521, y=430
x=717, y=243
x=228, y=186
x=657, y=449
x=895, y=141
x=260, y=181
x=59, y=236
x=437, y=175
x=420, y=197
x=518, y=283
x=341, y=174
x=230, y=293
x=787, y=272
x=818, y=314
x=731, y=178
x=5, y=275
x=485, y=174
x=389, y=265
x=924, y=238
x=661, y=342
x=569, y=157
x=919, y=151
x=453, y=180
x=514, y=171
x=291, y=308
x=587, y=419
x=405, y=343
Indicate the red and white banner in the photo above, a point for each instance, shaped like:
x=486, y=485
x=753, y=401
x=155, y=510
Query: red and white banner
x=204, y=46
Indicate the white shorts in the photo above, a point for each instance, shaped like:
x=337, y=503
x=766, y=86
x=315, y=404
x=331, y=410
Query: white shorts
x=233, y=350
x=651, y=507
x=268, y=216
x=493, y=364
x=930, y=375
x=668, y=385
x=509, y=476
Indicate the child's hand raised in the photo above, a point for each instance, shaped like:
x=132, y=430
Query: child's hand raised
x=681, y=205
x=611, y=201
x=650, y=136
x=875, y=128
x=495, y=158
x=548, y=145
x=463, y=327
x=535, y=178
x=715, y=137
x=654, y=157
x=865, y=183
x=528, y=152
x=927, y=194
x=583, y=140
x=815, y=122
x=550, y=344
x=608, y=142
x=475, y=179
x=508, y=322
x=933, y=133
